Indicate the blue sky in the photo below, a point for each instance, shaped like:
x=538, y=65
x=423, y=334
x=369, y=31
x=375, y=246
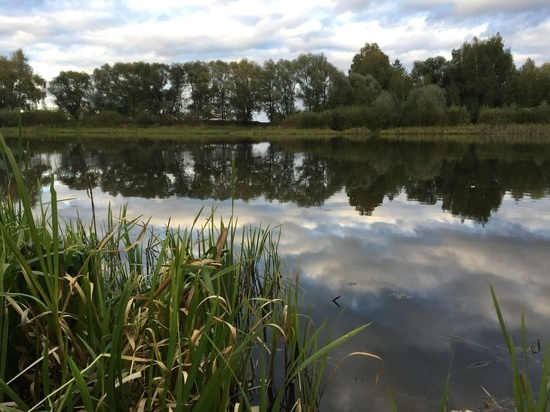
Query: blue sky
x=77, y=35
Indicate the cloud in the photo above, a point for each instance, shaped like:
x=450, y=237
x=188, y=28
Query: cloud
x=69, y=34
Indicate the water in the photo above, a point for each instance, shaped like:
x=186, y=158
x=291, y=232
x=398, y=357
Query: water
x=408, y=235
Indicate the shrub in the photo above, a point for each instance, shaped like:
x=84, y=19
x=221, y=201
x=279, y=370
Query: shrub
x=107, y=118
x=458, y=115
x=44, y=117
x=496, y=115
x=9, y=118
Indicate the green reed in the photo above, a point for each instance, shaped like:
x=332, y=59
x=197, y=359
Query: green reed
x=127, y=319
x=526, y=397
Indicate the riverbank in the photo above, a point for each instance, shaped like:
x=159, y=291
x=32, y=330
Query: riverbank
x=511, y=133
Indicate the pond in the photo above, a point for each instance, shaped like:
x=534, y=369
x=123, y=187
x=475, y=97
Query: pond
x=407, y=236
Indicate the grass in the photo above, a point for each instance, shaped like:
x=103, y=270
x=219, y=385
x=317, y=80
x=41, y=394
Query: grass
x=482, y=133
x=170, y=132
x=122, y=318
x=479, y=133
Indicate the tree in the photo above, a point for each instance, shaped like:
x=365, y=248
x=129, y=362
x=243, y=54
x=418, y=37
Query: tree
x=364, y=89
x=384, y=111
x=220, y=89
x=174, y=96
x=130, y=88
x=278, y=89
x=479, y=73
x=314, y=75
x=198, y=80
x=372, y=60
x=19, y=86
x=246, y=92
x=425, y=106
x=400, y=83
x=71, y=91
x=531, y=85
x=340, y=92
x=430, y=71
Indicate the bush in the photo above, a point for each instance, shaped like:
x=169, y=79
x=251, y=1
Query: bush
x=9, y=118
x=307, y=120
x=44, y=117
x=496, y=115
x=543, y=112
x=458, y=115
x=107, y=118
x=144, y=119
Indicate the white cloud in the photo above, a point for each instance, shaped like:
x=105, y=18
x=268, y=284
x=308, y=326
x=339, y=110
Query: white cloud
x=71, y=34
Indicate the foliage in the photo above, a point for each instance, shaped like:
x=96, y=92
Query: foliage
x=105, y=118
x=425, y=107
x=481, y=70
x=278, y=88
x=20, y=87
x=72, y=92
x=458, y=115
x=372, y=60
x=433, y=70
x=245, y=89
x=315, y=77
x=130, y=88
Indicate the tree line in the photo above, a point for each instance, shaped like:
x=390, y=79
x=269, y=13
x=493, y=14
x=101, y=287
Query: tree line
x=480, y=83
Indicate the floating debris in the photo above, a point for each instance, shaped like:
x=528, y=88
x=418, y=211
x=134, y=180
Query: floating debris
x=335, y=299
x=400, y=295
x=478, y=365
x=535, y=346
x=351, y=283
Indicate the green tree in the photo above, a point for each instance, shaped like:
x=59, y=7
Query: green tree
x=278, y=89
x=174, y=96
x=532, y=84
x=220, y=89
x=430, y=71
x=198, y=81
x=384, y=112
x=340, y=92
x=364, y=89
x=71, y=91
x=400, y=83
x=425, y=106
x=372, y=60
x=246, y=94
x=20, y=87
x=315, y=77
x=479, y=72
x=130, y=88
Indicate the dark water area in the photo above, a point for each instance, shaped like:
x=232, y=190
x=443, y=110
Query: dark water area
x=409, y=235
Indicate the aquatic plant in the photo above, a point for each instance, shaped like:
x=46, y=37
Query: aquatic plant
x=526, y=397
x=123, y=318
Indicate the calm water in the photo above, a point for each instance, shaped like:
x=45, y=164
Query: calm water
x=409, y=235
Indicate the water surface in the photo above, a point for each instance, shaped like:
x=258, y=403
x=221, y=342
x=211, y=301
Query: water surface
x=409, y=235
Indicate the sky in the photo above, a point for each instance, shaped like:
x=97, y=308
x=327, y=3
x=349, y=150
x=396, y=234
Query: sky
x=79, y=35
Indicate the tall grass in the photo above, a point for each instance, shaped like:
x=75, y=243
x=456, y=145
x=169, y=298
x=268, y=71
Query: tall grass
x=526, y=397
x=197, y=318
